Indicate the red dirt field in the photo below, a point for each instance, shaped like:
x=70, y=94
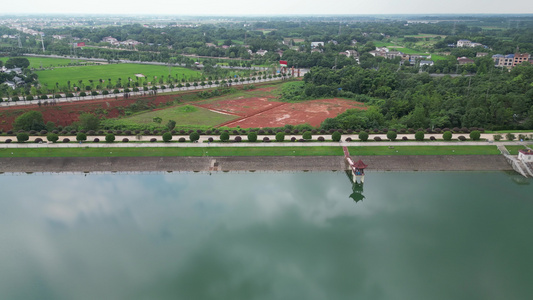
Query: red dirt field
x=311, y=112
x=66, y=113
x=241, y=106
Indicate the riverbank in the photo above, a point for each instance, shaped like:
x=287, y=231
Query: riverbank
x=240, y=163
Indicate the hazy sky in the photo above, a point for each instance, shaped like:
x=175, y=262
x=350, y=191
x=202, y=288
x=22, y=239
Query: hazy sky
x=270, y=7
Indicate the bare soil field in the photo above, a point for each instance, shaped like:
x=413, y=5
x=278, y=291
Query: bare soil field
x=312, y=112
x=64, y=114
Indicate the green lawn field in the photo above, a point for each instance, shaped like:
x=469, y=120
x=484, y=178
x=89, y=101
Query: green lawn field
x=112, y=71
x=248, y=151
x=45, y=62
x=184, y=115
x=514, y=149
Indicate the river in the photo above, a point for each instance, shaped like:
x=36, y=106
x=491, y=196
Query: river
x=409, y=235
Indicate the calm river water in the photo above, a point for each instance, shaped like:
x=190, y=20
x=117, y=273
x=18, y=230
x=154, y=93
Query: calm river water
x=415, y=235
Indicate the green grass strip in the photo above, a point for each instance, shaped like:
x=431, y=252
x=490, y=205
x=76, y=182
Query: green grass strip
x=514, y=149
x=248, y=151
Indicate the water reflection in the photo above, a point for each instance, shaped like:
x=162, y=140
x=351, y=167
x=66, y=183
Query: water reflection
x=265, y=236
x=357, y=188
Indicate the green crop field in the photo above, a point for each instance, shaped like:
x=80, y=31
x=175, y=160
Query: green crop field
x=424, y=35
x=112, y=71
x=410, y=51
x=383, y=44
x=45, y=62
x=184, y=115
x=436, y=57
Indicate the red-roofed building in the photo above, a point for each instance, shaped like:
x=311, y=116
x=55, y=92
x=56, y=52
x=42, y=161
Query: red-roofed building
x=525, y=155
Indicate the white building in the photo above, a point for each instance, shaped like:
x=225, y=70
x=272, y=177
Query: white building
x=464, y=43
x=525, y=155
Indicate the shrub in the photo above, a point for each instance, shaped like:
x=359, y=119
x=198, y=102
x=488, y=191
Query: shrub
x=210, y=139
x=81, y=137
x=125, y=140
x=461, y=138
x=96, y=140
x=109, y=138
x=447, y=135
x=224, y=136
x=238, y=139
x=167, y=137
x=38, y=140
x=348, y=139
x=52, y=137
x=195, y=136
x=307, y=135
x=266, y=139
x=475, y=135
x=321, y=139
x=419, y=136
x=22, y=137
x=182, y=140
x=377, y=139
x=153, y=140
x=336, y=136
x=497, y=137
x=66, y=140
x=432, y=138
x=404, y=138
x=293, y=139
x=252, y=137
x=8, y=141
x=280, y=137
x=392, y=135
x=127, y=132
x=510, y=136
x=83, y=94
x=29, y=98
x=363, y=136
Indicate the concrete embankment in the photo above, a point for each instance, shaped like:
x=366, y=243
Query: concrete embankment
x=280, y=163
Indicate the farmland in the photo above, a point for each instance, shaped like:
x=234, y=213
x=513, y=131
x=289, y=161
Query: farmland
x=186, y=116
x=111, y=71
x=46, y=62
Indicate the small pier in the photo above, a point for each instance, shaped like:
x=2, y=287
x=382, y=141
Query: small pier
x=357, y=168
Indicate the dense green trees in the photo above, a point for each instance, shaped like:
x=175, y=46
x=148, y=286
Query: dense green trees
x=88, y=121
x=17, y=62
x=493, y=100
x=32, y=120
